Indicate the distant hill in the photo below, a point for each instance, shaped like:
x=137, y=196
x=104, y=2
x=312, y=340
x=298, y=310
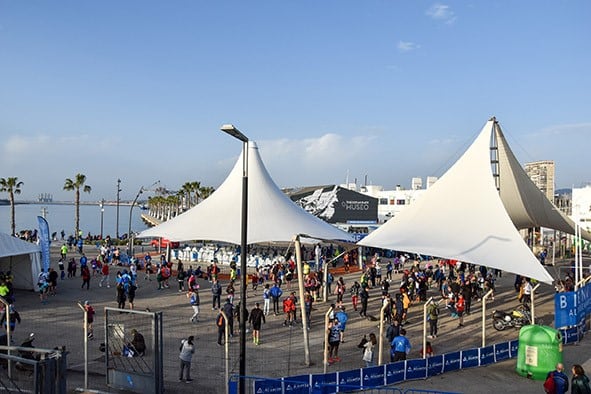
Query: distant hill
x=4, y=202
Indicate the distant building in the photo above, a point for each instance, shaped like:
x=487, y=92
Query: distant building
x=392, y=202
x=542, y=175
x=581, y=207
x=45, y=197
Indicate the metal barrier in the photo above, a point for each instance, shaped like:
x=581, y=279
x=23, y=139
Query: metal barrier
x=127, y=367
x=39, y=371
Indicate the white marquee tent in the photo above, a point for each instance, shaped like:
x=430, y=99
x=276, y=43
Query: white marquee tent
x=22, y=259
x=272, y=216
x=466, y=215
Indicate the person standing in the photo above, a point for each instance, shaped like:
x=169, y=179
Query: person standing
x=368, y=350
x=193, y=297
x=460, y=309
x=216, y=292
x=355, y=294
x=400, y=347
x=559, y=378
x=229, y=311
x=433, y=315
x=121, y=296
x=276, y=294
x=186, y=355
x=342, y=317
x=131, y=294
x=180, y=276
x=266, y=299
x=580, y=381
x=334, y=340
x=256, y=318
x=63, y=251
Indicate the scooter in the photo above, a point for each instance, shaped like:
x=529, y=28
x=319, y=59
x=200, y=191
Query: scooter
x=516, y=318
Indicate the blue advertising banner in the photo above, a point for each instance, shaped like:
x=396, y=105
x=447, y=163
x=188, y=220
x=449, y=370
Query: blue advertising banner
x=487, y=355
x=565, y=309
x=395, y=372
x=513, y=347
x=349, y=378
x=470, y=358
x=584, y=301
x=373, y=376
x=435, y=365
x=502, y=351
x=297, y=384
x=267, y=386
x=416, y=369
x=44, y=242
x=451, y=361
x=322, y=384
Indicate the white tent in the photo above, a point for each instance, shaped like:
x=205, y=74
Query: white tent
x=22, y=259
x=272, y=216
x=463, y=216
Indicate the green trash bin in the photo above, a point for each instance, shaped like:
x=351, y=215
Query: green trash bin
x=540, y=349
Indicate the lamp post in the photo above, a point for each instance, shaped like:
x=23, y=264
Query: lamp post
x=129, y=236
x=118, y=190
x=102, y=205
x=234, y=132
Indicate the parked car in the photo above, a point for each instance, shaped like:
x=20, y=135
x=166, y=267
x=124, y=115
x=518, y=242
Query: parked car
x=164, y=243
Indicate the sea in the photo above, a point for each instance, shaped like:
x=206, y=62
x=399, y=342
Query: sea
x=63, y=217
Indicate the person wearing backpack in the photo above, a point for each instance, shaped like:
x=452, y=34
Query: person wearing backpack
x=220, y=323
x=556, y=381
x=433, y=315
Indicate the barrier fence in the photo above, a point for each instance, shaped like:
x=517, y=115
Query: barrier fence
x=383, y=375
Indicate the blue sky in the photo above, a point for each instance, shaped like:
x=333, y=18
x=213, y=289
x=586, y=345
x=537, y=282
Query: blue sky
x=137, y=90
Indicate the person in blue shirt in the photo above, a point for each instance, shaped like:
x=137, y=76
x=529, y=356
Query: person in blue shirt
x=560, y=379
x=276, y=293
x=400, y=347
x=342, y=317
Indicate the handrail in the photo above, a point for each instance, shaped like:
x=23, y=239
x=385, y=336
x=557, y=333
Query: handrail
x=326, y=317
x=484, y=316
x=429, y=301
x=381, y=340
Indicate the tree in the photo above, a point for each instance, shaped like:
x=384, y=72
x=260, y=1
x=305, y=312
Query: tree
x=11, y=186
x=205, y=192
x=77, y=184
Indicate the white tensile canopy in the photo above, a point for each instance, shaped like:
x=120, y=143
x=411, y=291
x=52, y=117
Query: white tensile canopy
x=272, y=216
x=464, y=217
x=22, y=259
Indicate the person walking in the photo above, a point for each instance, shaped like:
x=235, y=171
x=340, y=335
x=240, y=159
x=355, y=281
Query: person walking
x=121, y=296
x=89, y=319
x=256, y=318
x=580, y=381
x=334, y=340
x=216, y=292
x=105, y=279
x=85, y=273
x=400, y=347
x=131, y=294
x=364, y=297
x=193, y=297
x=460, y=309
x=187, y=350
x=229, y=311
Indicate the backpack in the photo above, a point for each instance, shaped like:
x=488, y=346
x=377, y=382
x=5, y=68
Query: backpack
x=549, y=384
x=220, y=320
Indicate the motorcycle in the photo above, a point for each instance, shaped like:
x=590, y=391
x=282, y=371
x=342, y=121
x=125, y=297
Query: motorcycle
x=516, y=318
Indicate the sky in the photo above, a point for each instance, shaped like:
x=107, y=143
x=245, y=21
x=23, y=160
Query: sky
x=330, y=90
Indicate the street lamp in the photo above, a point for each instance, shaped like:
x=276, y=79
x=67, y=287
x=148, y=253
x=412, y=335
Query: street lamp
x=142, y=189
x=118, y=190
x=234, y=132
x=102, y=205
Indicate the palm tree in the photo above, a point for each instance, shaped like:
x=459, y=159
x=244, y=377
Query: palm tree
x=186, y=190
x=76, y=185
x=11, y=186
x=205, y=192
x=196, y=187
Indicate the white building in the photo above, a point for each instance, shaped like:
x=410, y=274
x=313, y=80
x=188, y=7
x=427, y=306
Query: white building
x=392, y=202
x=581, y=207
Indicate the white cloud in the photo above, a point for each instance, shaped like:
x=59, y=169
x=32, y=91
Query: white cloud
x=442, y=12
x=405, y=46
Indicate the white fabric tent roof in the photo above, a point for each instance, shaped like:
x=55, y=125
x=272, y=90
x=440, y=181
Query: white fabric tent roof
x=272, y=216
x=462, y=217
x=12, y=246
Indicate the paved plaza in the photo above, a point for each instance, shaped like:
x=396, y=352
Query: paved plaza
x=281, y=353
